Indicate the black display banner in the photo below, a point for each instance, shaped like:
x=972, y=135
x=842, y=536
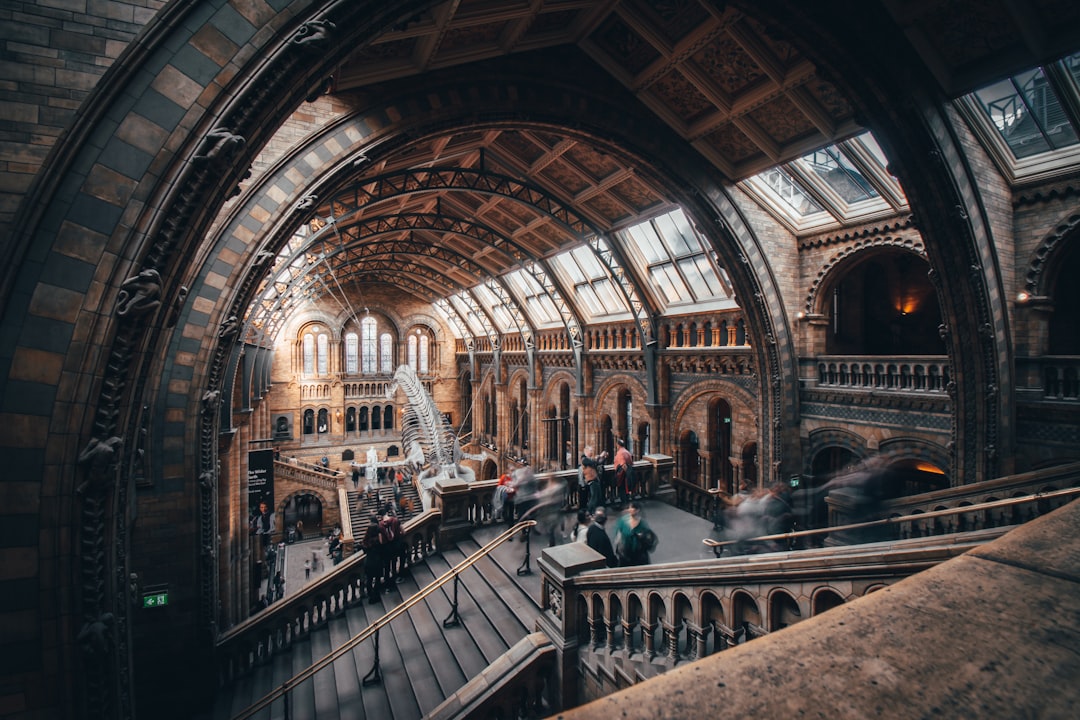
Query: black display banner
x=261, y=518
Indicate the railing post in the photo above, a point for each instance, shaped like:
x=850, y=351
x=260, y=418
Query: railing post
x=559, y=617
x=375, y=674
x=453, y=619
x=524, y=569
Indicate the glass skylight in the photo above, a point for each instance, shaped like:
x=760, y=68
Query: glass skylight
x=595, y=295
x=836, y=170
x=789, y=190
x=674, y=258
x=1027, y=113
x=535, y=300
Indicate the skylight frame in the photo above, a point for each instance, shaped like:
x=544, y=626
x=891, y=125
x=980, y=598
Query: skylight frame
x=1041, y=166
x=661, y=259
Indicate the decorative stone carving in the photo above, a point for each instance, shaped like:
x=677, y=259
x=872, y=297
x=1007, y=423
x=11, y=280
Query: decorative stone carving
x=555, y=601
x=97, y=457
x=210, y=401
x=219, y=145
x=314, y=36
x=229, y=329
x=139, y=295
x=321, y=89
x=95, y=637
x=307, y=202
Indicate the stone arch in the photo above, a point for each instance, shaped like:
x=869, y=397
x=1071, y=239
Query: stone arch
x=784, y=610
x=1041, y=275
x=824, y=438
x=825, y=599
x=838, y=264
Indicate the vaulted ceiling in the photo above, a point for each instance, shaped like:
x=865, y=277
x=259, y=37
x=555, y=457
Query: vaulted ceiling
x=736, y=90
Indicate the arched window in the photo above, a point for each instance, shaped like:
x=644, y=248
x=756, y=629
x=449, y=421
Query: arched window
x=309, y=422
x=388, y=418
x=363, y=419
x=352, y=354
x=324, y=421
x=350, y=420
x=376, y=418
x=413, y=342
x=386, y=354
x=368, y=347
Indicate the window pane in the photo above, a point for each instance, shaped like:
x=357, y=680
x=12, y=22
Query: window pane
x=648, y=242
x=352, y=354
x=844, y=178
x=677, y=242
x=367, y=344
x=610, y=299
x=425, y=352
x=669, y=283
x=790, y=191
x=309, y=354
x=412, y=352
x=323, y=353
x=386, y=354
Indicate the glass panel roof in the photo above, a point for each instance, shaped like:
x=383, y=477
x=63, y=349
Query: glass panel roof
x=594, y=293
x=537, y=304
x=790, y=191
x=1027, y=113
x=504, y=322
x=835, y=169
x=668, y=251
x=833, y=186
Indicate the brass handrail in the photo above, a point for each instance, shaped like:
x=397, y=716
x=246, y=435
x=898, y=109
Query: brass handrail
x=916, y=517
x=372, y=629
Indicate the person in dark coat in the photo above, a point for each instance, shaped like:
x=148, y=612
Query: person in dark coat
x=597, y=538
x=374, y=561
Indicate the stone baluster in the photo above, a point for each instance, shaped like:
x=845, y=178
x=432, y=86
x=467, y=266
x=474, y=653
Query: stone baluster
x=628, y=636
x=648, y=632
x=596, y=625
x=609, y=627
x=673, y=632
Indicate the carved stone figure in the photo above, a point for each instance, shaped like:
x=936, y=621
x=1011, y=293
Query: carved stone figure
x=229, y=328
x=94, y=637
x=97, y=456
x=210, y=401
x=218, y=146
x=314, y=35
x=140, y=294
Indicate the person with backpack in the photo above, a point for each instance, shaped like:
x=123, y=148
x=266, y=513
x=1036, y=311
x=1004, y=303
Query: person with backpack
x=634, y=539
x=393, y=543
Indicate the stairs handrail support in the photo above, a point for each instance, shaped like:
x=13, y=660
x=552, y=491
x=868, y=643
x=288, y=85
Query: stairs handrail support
x=373, y=628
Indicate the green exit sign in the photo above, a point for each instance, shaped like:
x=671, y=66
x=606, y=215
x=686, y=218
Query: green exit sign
x=158, y=599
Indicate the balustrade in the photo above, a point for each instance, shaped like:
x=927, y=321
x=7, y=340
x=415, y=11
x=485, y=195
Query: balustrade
x=904, y=374
x=714, y=598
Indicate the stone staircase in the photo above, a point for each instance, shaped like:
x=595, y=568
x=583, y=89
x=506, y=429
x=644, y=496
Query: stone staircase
x=362, y=507
x=422, y=662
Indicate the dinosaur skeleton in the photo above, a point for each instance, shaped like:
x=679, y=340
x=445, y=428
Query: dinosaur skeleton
x=433, y=449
